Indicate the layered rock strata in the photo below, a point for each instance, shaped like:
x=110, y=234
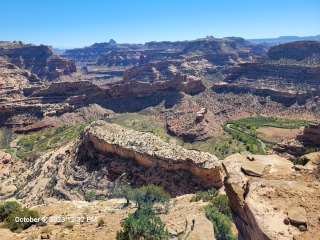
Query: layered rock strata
x=40, y=60
x=148, y=151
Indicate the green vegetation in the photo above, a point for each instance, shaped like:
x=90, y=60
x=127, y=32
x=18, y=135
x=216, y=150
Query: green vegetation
x=142, y=123
x=244, y=130
x=300, y=161
x=30, y=146
x=143, y=223
x=90, y=196
x=6, y=136
x=218, y=212
x=221, y=223
x=205, y=196
x=144, y=196
x=221, y=147
x=9, y=211
x=7, y=208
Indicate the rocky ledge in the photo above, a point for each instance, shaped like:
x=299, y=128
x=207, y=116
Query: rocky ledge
x=149, y=151
x=272, y=199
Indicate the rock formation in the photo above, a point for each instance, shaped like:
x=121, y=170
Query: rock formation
x=40, y=60
x=271, y=199
x=300, y=50
x=149, y=151
x=311, y=135
x=281, y=76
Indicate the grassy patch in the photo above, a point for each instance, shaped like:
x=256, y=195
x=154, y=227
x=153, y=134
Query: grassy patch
x=244, y=130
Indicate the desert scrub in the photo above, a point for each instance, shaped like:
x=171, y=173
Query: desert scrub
x=7, y=208
x=6, y=136
x=90, y=196
x=9, y=211
x=221, y=223
x=100, y=222
x=33, y=144
x=146, y=195
x=205, y=196
x=143, y=224
x=218, y=212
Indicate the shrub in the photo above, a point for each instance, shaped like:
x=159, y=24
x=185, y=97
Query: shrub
x=300, y=161
x=143, y=224
x=90, y=196
x=100, y=222
x=221, y=223
x=145, y=195
x=7, y=208
x=221, y=203
x=150, y=194
x=14, y=225
x=205, y=196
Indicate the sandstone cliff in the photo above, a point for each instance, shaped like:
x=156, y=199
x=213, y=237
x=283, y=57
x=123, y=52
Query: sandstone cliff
x=271, y=199
x=149, y=151
x=40, y=60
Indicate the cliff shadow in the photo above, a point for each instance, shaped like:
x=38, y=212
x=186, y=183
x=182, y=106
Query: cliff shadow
x=112, y=168
x=135, y=104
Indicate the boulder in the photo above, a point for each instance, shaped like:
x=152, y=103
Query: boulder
x=297, y=216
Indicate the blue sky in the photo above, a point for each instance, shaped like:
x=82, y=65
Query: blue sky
x=76, y=23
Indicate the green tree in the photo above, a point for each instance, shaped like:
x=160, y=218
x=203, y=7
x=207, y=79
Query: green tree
x=143, y=196
x=143, y=224
x=7, y=208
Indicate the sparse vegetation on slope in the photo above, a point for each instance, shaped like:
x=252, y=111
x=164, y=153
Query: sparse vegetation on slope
x=11, y=210
x=30, y=146
x=143, y=223
x=218, y=212
x=143, y=123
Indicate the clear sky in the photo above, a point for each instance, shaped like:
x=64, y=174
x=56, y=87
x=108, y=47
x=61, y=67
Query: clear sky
x=76, y=23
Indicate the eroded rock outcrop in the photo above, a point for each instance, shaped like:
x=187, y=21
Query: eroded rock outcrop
x=270, y=199
x=298, y=51
x=289, y=75
x=40, y=60
x=149, y=151
x=165, y=74
x=311, y=135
